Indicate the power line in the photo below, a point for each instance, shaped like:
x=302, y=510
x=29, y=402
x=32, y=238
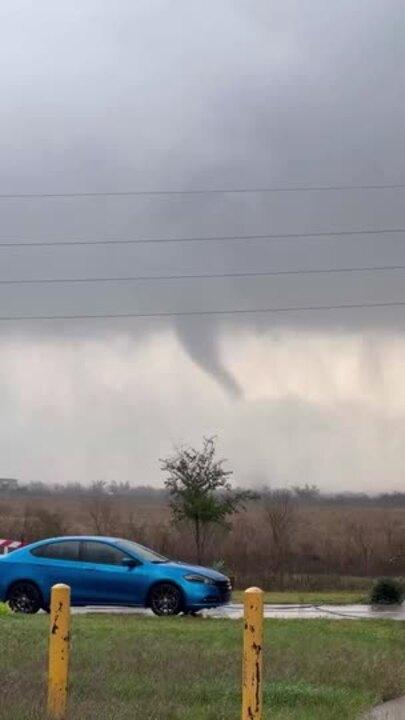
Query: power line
x=213, y=238
x=193, y=313
x=202, y=276
x=200, y=191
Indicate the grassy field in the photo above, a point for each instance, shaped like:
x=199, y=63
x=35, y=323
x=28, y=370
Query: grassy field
x=129, y=667
x=336, y=597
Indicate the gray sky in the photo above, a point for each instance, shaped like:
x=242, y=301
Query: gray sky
x=188, y=95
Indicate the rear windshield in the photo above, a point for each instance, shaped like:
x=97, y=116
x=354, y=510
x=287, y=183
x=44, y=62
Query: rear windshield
x=65, y=550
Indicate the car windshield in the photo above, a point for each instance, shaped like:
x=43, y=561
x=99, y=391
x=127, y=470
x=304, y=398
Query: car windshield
x=141, y=552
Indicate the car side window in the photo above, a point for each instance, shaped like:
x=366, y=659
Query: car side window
x=101, y=553
x=66, y=550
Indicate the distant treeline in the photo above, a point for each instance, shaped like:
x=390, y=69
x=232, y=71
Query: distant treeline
x=298, y=538
x=308, y=495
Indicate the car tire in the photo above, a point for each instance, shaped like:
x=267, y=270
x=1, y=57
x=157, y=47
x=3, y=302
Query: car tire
x=24, y=597
x=165, y=599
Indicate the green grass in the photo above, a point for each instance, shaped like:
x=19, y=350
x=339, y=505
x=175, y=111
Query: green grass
x=132, y=667
x=312, y=597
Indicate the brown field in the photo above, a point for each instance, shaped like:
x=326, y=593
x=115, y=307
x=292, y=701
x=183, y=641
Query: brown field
x=276, y=544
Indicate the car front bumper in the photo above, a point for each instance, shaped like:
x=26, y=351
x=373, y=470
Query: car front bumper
x=206, y=596
x=209, y=603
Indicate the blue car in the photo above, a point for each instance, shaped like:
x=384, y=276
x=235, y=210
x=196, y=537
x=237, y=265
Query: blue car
x=107, y=571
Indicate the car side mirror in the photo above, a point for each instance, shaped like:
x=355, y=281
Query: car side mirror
x=130, y=562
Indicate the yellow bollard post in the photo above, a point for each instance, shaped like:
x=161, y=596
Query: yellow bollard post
x=59, y=644
x=252, y=655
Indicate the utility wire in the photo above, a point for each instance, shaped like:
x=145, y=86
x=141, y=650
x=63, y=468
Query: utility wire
x=198, y=276
x=200, y=191
x=194, y=313
x=214, y=238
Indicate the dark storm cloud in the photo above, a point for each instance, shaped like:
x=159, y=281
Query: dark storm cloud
x=189, y=95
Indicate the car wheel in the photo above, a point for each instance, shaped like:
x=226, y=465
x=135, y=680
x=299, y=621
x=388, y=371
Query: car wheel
x=165, y=599
x=24, y=597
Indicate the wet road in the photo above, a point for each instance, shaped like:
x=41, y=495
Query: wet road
x=234, y=611
x=394, y=710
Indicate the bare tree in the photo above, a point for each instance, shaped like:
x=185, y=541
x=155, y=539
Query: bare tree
x=361, y=537
x=280, y=514
x=100, y=509
x=38, y=523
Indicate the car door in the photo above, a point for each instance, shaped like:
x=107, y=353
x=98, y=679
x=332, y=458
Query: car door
x=59, y=562
x=106, y=580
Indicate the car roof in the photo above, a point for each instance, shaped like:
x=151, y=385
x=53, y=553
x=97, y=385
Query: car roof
x=60, y=538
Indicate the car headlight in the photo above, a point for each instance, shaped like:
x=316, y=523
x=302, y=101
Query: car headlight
x=199, y=579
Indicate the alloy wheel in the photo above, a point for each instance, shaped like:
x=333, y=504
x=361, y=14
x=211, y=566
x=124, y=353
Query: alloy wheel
x=165, y=599
x=24, y=598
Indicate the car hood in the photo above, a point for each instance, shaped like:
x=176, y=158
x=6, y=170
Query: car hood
x=195, y=569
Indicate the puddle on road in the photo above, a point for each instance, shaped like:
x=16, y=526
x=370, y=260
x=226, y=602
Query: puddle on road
x=301, y=612
x=338, y=612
